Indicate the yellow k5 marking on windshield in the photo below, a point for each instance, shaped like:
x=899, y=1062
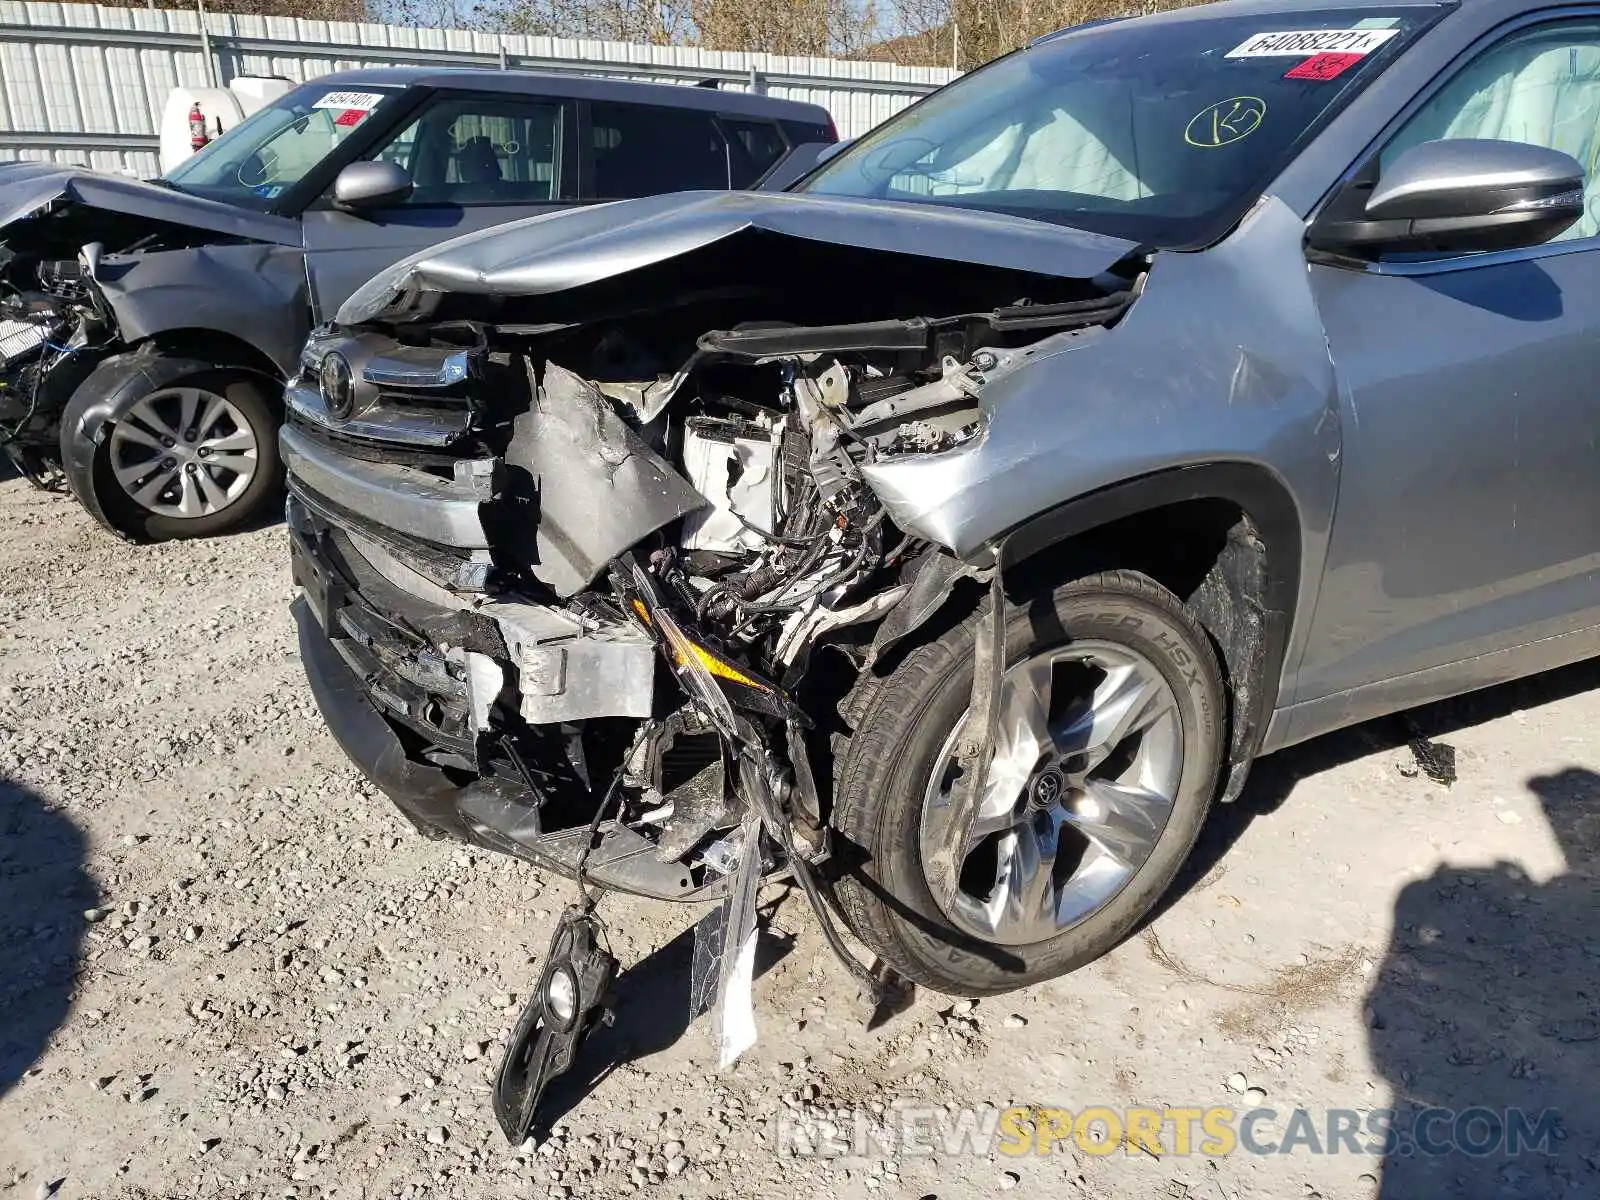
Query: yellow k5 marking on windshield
x=1226, y=122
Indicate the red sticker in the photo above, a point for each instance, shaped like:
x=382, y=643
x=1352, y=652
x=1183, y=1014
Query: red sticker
x=1326, y=65
x=351, y=116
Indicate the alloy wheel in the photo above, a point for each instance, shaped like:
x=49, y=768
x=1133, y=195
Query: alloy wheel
x=184, y=452
x=1087, y=763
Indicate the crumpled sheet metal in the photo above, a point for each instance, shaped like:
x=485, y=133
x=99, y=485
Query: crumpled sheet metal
x=25, y=188
x=598, y=488
x=558, y=251
x=1222, y=358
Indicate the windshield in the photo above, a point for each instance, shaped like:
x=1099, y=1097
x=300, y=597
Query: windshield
x=1162, y=132
x=257, y=161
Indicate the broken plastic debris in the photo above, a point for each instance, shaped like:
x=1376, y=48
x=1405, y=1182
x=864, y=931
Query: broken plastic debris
x=1436, y=759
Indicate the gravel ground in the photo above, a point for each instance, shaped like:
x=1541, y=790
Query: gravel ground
x=227, y=968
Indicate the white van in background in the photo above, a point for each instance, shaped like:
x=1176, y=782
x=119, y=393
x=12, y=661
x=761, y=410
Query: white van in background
x=195, y=117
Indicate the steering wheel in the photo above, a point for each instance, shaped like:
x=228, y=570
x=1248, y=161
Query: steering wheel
x=256, y=165
x=262, y=162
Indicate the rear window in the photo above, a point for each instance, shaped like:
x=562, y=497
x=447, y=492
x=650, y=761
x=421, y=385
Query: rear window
x=643, y=151
x=754, y=147
x=801, y=132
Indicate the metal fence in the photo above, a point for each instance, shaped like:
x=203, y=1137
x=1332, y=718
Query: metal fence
x=85, y=84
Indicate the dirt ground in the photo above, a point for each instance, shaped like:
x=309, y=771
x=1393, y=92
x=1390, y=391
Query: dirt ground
x=227, y=968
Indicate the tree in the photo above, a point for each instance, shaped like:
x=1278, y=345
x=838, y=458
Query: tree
x=971, y=32
x=837, y=27
x=652, y=22
x=937, y=33
x=840, y=28
x=314, y=10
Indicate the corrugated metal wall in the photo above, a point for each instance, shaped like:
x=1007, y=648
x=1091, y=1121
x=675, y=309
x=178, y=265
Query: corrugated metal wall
x=85, y=84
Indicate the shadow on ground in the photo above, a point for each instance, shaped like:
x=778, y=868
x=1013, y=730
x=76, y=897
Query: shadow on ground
x=44, y=890
x=1485, y=1019
x=1273, y=778
x=1485, y=1015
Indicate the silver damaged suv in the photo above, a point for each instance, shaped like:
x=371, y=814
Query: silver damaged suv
x=949, y=532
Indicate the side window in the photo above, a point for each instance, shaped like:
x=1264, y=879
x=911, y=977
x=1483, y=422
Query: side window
x=400, y=150
x=481, y=151
x=643, y=151
x=1541, y=86
x=753, y=148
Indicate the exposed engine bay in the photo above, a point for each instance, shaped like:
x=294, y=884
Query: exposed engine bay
x=50, y=315
x=512, y=538
x=506, y=527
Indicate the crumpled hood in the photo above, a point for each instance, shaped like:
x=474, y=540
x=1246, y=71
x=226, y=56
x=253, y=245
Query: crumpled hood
x=562, y=250
x=25, y=188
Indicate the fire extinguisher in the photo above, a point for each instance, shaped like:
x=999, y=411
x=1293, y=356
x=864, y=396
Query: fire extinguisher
x=197, y=128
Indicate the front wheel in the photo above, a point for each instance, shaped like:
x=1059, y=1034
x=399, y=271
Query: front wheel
x=1110, y=739
x=194, y=459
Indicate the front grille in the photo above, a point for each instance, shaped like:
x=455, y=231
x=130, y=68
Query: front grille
x=373, y=451
x=388, y=419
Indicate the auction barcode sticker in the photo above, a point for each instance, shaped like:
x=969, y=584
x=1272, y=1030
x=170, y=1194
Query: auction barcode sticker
x=348, y=100
x=1302, y=43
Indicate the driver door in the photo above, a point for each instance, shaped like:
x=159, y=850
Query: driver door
x=1466, y=546
x=475, y=161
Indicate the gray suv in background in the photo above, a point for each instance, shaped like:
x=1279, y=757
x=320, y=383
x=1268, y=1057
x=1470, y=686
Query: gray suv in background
x=146, y=329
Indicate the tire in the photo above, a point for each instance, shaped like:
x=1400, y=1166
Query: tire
x=244, y=400
x=903, y=729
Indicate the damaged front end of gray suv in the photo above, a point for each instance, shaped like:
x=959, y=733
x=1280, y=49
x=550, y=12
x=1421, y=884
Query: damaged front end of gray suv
x=571, y=526
x=930, y=536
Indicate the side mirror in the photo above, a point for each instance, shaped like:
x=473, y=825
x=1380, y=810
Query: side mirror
x=371, y=185
x=1456, y=196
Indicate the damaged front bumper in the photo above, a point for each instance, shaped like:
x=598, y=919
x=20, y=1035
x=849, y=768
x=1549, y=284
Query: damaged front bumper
x=405, y=685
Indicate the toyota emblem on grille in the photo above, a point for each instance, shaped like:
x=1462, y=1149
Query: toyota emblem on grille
x=338, y=385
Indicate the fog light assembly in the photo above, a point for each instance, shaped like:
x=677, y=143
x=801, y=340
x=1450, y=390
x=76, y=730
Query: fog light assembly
x=561, y=997
x=572, y=999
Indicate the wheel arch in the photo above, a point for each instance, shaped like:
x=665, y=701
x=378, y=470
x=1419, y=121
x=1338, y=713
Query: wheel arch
x=219, y=350
x=115, y=385
x=1243, y=594
x=1225, y=537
